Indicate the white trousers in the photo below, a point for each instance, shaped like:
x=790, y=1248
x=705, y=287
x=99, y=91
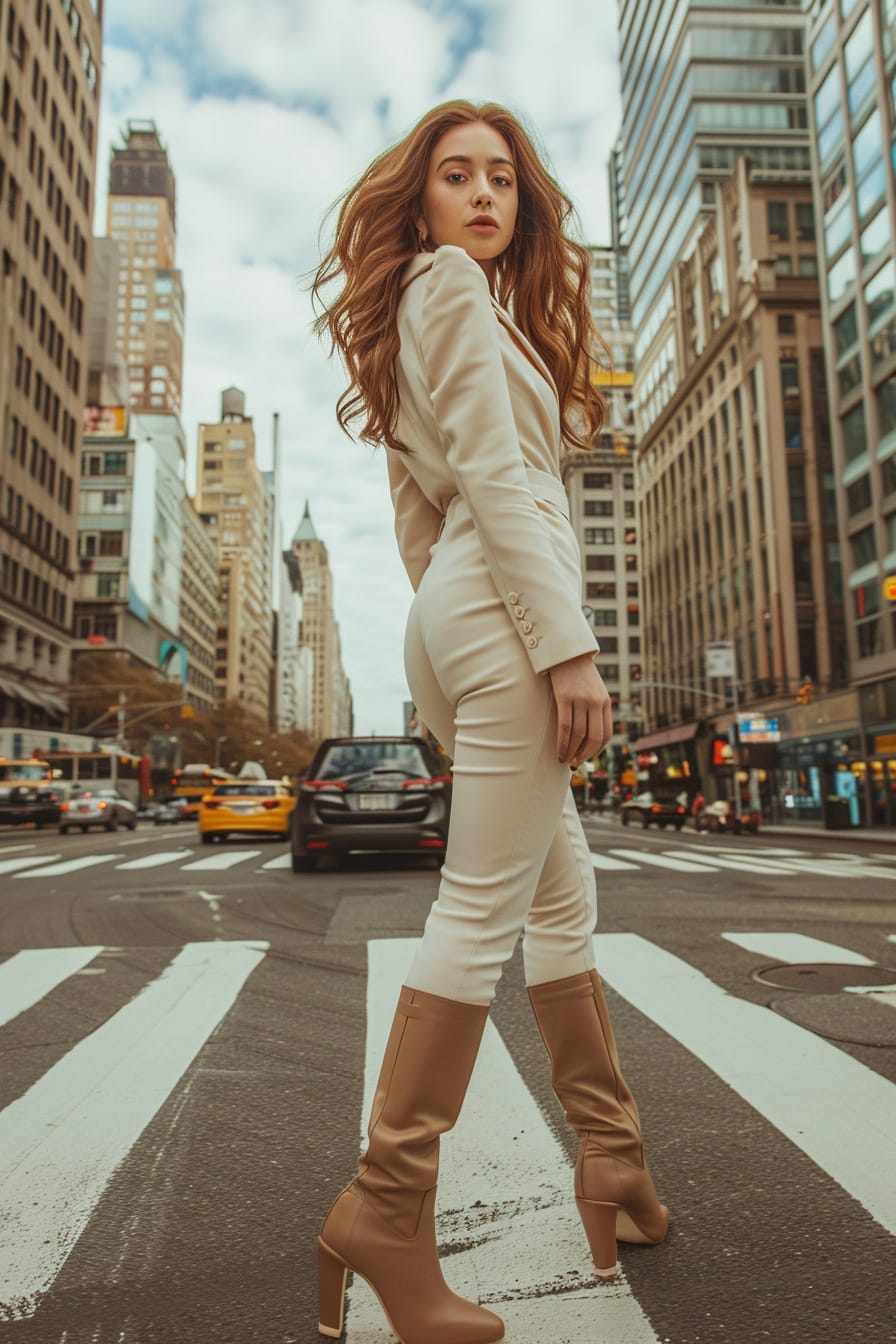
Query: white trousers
x=517, y=860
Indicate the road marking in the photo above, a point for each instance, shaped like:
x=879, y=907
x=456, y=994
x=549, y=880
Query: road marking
x=281, y=861
x=155, y=860
x=28, y=976
x=840, y=1113
x=797, y=947
x=217, y=862
x=840, y=866
x=61, y=1142
x=741, y=865
x=71, y=865
x=659, y=861
x=606, y=863
x=8, y=849
x=515, y=1240
x=14, y=865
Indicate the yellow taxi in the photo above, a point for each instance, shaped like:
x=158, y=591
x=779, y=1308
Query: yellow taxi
x=256, y=805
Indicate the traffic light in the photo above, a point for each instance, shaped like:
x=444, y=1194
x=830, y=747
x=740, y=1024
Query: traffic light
x=805, y=693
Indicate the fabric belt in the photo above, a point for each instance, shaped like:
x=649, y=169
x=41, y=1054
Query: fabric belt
x=546, y=487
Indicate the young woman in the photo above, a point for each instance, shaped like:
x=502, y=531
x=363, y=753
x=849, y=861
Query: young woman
x=444, y=235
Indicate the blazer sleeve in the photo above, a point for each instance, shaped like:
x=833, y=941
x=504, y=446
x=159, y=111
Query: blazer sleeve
x=417, y=521
x=461, y=353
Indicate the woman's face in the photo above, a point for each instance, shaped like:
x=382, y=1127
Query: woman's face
x=471, y=196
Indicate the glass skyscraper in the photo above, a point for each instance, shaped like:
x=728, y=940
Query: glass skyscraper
x=702, y=84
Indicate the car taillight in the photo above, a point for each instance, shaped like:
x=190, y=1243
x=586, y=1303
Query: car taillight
x=322, y=785
x=206, y=802
x=270, y=803
x=427, y=785
x=102, y=805
x=656, y=808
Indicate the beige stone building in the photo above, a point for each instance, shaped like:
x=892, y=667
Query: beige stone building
x=235, y=506
x=331, y=702
x=50, y=56
x=737, y=508
x=198, y=607
x=142, y=219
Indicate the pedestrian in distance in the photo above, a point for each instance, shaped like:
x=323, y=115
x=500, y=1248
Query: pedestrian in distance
x=463, y=321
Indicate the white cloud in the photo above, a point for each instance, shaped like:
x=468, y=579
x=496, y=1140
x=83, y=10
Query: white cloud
x=269, y=110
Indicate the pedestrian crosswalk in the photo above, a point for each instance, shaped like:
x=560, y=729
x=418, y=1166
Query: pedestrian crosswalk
x=512, y=1239
x=693, y=858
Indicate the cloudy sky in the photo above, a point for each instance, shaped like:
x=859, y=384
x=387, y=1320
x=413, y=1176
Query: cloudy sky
x=269, y=109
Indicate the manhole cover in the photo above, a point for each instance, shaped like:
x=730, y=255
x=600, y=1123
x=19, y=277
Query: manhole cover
x=821, y=977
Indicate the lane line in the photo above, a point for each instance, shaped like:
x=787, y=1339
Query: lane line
x=798, y=947
x=840, y=1113
x=71, y=865
x=29, y=861
x=61, y=1142
x=29, y=975
x=512, y=1240
x=8, y=849
x=744, y=865
x=606, y=863
x=154, y=860
x=218, y=862
x=658, y=861
x=281, y=861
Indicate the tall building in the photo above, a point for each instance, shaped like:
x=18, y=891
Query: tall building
x=852, y=69
x=331, y=704
x=702, y=84
x=50, y=56
x=736, y=497
x=236, y=507
x=142, y=219
x=198, y=628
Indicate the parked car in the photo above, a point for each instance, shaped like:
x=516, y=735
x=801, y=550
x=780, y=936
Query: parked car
x=264, y=805
x=645, y=810
x=175, y=809
x=721, y=816
x=23, y=804
x=100, y=807
x=371, y=793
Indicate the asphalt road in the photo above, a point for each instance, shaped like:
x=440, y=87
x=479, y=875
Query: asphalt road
x=184, y=1032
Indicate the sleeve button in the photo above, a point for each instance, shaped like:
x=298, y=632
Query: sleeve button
x=519, y=611
x=513, y=598
x=532, y=642
x=527, y=627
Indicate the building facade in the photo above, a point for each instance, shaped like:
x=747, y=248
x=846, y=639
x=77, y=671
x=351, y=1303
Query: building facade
x=852, y=67
x=702, y=84
x=737, y=507
x=198, y=623
x=50, y=56
x=236, y=507
x=331, y=703
x=142, y=219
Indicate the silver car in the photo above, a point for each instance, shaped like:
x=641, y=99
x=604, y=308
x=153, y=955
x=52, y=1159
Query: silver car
x=101, y=807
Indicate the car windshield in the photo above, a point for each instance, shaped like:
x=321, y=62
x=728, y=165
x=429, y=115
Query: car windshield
x=359, y=758
x=244, y=791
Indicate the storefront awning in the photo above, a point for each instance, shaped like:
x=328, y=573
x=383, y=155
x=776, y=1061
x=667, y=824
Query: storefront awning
x=685, y=732
x=30, y=695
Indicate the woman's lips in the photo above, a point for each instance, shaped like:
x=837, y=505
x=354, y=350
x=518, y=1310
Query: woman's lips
x=483, y=228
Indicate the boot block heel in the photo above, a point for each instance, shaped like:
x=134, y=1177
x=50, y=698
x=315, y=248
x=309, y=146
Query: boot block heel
x=599, y=1221
x=332, y=1274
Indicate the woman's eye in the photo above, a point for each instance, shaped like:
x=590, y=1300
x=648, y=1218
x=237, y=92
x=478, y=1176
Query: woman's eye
x=504, y=181
x=455, y=177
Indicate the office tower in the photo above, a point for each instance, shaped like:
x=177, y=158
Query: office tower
x=50, y=56
x=702, y=84
x=142, y=219
x=198, y=625
x=331, y=706
x=236, y=507
x=852, y=64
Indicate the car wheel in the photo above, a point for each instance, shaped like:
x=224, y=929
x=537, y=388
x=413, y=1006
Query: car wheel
x=303, y=863
x=84, y=830
x=63, y=830
x=132, y=825
x=678, y=825
x=645, y=820
x=206, y=839
x=112, y=825
x=38, y=825
x=625, y=818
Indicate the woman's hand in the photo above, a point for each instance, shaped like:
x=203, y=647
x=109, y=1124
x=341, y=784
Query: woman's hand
x=584, y=725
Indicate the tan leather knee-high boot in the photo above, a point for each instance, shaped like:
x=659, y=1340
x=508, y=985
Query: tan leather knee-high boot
x=382, y=1226
x=614, y=1190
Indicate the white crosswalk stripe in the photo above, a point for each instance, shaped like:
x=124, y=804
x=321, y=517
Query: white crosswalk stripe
x=26, y=977
x=25, y=861
x=156, y=860
x=281, y=861
x=676, y=865
x=61, y=1142
x=70, y=865
x=607, y=863
x=797, y=947
x=218, y=862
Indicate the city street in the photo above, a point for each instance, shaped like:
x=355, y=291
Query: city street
x=189, y=1040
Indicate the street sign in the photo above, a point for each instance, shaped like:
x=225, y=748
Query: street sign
x=757, y=728
x=720, y=659
x=890, y=587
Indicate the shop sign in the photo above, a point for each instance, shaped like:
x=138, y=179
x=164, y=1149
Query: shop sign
x=759, y=729
x=890, y=588
x=884, y=745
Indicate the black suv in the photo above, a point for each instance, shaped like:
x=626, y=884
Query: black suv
x=374, y=793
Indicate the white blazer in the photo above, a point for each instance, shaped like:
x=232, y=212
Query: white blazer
x=479, y=410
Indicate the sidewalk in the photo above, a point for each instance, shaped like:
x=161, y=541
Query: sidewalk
x=878, y=835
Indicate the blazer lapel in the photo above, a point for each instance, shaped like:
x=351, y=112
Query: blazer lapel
x=524, y=344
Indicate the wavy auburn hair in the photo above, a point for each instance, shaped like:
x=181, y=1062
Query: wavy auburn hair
x=542, y=277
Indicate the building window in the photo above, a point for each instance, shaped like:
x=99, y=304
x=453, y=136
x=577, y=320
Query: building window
x=855, y=440
x=107, y=585
x=111, y=543
x=778, y=222
x=598, y=508
x=886, y=407
x=600, y=536
x=598, y=480
x=864, y=549
x=858, y=496
x=805, y=222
